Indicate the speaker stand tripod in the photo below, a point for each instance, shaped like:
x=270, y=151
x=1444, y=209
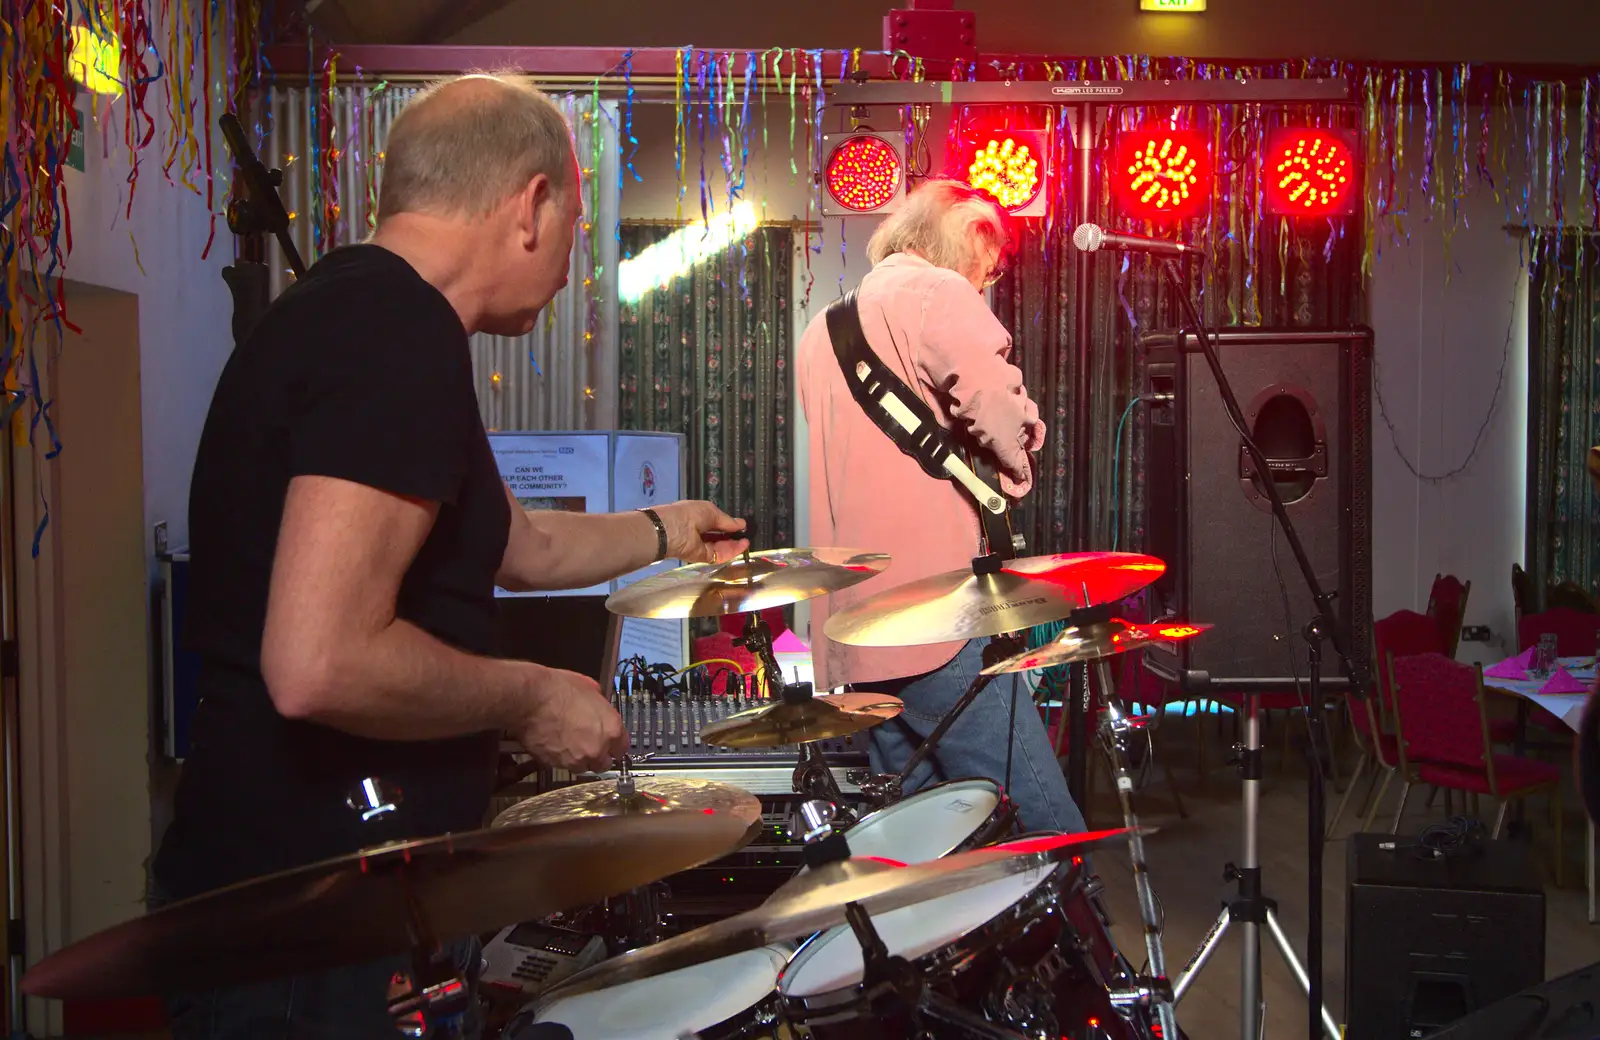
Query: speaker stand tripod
x=1250, y=908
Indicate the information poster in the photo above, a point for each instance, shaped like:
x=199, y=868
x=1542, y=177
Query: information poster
x=570, y=472
x=657, y=640
x=644, y=474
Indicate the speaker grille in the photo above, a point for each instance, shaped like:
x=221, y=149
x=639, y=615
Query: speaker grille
x=1306, y=394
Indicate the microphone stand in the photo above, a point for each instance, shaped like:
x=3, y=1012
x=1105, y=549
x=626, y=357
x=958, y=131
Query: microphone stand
x=1251, y=908
x=252, y=215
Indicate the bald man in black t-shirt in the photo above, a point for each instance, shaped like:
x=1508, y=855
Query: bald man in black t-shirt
x=348, y=526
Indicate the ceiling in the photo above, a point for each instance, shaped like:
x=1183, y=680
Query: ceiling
x=396, y=21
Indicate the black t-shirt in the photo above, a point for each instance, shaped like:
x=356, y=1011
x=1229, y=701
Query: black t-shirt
x=360, y=371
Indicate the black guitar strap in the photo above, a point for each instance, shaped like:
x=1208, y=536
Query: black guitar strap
x=870, y=381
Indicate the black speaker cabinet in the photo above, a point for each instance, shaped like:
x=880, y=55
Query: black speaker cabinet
x=1305, y=395
x=1429, y=941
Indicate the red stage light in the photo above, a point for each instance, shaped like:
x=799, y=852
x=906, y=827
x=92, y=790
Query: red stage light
x=1009, y=166
x=1310, y=173
x=1162, y=173
x=864, y=173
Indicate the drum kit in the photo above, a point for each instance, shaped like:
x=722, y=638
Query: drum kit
x=930, y=916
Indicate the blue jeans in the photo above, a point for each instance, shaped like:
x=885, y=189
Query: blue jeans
x=975, y=746
x=350, y=1001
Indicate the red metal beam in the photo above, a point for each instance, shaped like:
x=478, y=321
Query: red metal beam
x=298, y=60
x=291, y=60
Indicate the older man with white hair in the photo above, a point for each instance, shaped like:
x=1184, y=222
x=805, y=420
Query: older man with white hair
x=923, y=313
x=348, y=526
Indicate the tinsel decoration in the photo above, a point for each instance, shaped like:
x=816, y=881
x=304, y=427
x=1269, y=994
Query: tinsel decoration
x=200, y=52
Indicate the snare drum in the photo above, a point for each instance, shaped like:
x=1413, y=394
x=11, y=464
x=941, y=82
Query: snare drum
x=1029, y=951
x=732, y=998
x=950, y=817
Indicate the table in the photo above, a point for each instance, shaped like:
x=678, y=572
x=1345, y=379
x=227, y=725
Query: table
x=1568, y=707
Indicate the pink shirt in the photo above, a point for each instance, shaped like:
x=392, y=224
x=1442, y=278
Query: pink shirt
x=936, y=332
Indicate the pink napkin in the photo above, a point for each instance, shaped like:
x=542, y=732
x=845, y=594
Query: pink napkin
x=1512, y=667
x=1563, y=682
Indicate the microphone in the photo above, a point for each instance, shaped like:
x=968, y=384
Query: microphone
x=1090, y=237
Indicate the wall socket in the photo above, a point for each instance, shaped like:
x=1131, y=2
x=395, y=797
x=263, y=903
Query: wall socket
x=1475, y=634
x=160, y=537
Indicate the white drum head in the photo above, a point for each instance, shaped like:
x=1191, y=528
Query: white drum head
x=832, y=960
x=666, y=1007
x=928, y=824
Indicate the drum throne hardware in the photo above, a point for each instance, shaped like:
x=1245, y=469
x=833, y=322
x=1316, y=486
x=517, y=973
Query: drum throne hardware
x=1251, y=908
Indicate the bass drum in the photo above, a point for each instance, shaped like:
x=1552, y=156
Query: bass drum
x=732, y=998
x=950, y=817
x=1029, y=952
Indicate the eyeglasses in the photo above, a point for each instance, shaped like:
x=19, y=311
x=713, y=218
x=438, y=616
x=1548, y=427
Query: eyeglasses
x=998, y=271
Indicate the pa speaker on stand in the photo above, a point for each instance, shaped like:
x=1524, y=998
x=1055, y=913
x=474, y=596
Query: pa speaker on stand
x=1305, y=394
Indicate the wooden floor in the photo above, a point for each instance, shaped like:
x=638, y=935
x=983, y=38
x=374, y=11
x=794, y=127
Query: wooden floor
x=1186, y=861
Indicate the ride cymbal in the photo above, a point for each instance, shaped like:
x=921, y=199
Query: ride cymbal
x=816, y=901
x=357, y=908
x=821, y=717
x=957, y=605
x=651, y=795
x=749, y=582
x=1090, y=642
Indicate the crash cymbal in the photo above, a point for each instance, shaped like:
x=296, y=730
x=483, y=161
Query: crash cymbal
x=650, y=795
x=355, y=908
x=821, y=717
x=816, y=900
x=961, y=604
x=1091, y=642
x=754, y=581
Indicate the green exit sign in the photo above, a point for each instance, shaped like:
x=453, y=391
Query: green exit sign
x=1172, y=5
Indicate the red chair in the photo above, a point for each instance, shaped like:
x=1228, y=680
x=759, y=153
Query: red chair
x=1447, y=605
x=1576, y=632
x=1403, y=633
x=1444, y=739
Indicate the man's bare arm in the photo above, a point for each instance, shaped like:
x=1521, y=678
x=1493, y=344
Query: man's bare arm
x=550, y=549
x=335, y=653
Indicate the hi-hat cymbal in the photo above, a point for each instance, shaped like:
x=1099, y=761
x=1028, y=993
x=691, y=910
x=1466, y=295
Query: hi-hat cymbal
x=770, y=578
x=651, y=795
x=355, y=908
x=961, y=604
x=816, y=901
x=1093, y=641
x=821, y=717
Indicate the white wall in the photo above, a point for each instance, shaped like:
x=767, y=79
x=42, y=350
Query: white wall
x=184, y=306
x=1444, y=315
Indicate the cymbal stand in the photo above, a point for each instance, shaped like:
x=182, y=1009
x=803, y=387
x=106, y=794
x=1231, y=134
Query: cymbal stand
x=434, y=999
x=1116, y=727
x=885, y=789
x=636, y=914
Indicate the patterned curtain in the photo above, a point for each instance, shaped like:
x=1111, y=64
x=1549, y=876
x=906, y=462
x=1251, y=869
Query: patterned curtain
x=709, y=356
x=1564, y=409
x=1262, y=271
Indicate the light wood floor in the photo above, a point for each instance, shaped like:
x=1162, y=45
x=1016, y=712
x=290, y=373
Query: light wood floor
x=1186, y=861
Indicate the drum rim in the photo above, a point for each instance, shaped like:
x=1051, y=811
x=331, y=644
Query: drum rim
x=776, y=953
x=808, y=948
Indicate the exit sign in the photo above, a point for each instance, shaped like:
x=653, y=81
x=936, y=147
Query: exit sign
x=1172, y=5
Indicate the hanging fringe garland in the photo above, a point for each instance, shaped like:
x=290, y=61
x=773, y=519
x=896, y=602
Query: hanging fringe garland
x=201, y=51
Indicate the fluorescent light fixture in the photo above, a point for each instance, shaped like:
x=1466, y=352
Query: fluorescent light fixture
x=95, y=61
x=658, y=265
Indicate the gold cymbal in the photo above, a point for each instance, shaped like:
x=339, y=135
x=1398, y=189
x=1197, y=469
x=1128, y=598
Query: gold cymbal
x=816, y=901
x=1091, y=642
x=770, y=578
x=651, y=795
x=822, y=717
x=358, y=908
x=961, y=604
